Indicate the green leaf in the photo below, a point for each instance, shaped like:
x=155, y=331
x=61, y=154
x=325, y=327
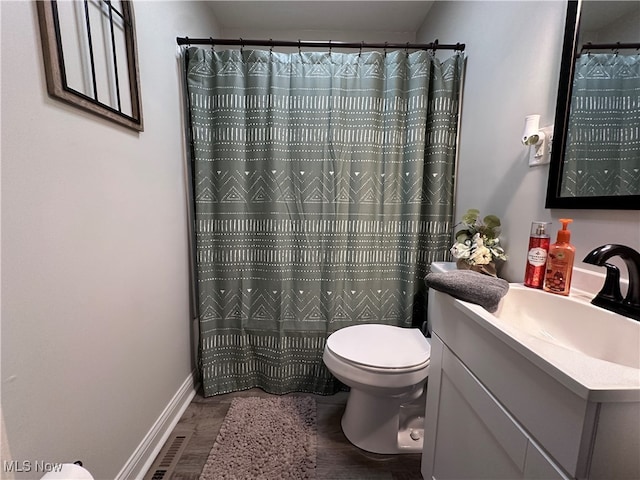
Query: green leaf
x=471, y=216
x=462, y=235
x=491, y=221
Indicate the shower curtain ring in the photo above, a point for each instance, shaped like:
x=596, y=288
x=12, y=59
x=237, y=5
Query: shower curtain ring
x=299, y=46
x=329, y=47
x=385, y=49
x=271, y=48
x=434, y=46
x=361, y=45
x=241, y=46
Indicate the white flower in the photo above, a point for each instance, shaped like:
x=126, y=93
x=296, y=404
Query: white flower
x=480, y=255
x=477, y=240
x=461, y=250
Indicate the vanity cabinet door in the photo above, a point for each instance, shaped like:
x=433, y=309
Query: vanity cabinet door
x=468, y=434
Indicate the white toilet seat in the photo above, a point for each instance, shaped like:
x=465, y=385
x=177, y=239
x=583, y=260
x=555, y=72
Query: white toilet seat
x=381, y=348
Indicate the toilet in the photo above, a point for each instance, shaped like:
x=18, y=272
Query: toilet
x=386, y=368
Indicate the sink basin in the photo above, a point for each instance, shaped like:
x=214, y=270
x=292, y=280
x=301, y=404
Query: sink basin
x=572, y=323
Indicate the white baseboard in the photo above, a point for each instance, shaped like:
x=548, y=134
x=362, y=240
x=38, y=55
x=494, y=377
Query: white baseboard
x=144, y=456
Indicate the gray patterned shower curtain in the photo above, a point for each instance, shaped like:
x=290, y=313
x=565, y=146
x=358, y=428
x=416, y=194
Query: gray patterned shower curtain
x=323, y=190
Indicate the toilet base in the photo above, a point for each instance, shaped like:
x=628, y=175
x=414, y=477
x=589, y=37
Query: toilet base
x=385, y=425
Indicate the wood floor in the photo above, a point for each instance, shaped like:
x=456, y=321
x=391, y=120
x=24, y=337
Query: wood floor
x=337, y=459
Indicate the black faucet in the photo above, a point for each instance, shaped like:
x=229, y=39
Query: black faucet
x=610, y=296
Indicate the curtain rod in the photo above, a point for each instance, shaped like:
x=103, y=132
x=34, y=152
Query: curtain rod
x=609, y=46
x=317, y=44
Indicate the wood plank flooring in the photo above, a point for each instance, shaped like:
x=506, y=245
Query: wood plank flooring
x=337, y=459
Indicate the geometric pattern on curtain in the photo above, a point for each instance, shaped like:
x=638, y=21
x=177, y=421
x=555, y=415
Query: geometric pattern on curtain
x=323, y=190
x=603, y=143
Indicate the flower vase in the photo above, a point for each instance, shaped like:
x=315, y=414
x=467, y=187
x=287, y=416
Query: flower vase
x=487, y=269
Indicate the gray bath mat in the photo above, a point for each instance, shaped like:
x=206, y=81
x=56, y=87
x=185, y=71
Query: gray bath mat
x=267, y=439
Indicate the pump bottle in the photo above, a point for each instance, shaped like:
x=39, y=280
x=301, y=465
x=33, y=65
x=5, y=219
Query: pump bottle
x=560, y=262
x=537, y=255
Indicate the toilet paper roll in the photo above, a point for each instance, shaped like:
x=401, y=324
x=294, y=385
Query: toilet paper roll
x=69, y=471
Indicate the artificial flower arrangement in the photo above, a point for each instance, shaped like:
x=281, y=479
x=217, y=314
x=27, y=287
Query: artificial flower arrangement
x=477, y=243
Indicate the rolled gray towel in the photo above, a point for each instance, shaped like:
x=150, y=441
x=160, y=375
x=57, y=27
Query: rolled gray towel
x=470, y=286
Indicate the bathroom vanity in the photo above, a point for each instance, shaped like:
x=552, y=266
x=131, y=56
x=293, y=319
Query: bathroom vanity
x=516, y=398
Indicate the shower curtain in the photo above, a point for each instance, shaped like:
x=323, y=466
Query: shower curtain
x=602, y=154
x=323, y=190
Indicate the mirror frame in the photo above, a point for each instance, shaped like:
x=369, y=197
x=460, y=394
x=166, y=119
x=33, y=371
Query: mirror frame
x=55, y=68
x=567, y=68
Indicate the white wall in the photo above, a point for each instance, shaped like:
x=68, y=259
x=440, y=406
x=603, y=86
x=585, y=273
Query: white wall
x=95, y=282
x=623, y=29
x=513, y=51
x=291, y=34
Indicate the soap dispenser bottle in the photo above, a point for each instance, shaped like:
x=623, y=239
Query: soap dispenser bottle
x=560, y=262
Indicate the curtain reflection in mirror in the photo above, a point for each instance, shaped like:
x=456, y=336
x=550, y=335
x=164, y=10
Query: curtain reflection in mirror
x=603, y=141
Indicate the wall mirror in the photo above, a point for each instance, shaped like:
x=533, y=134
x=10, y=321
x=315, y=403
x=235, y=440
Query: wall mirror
x=595, y=158
x=90, y=57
